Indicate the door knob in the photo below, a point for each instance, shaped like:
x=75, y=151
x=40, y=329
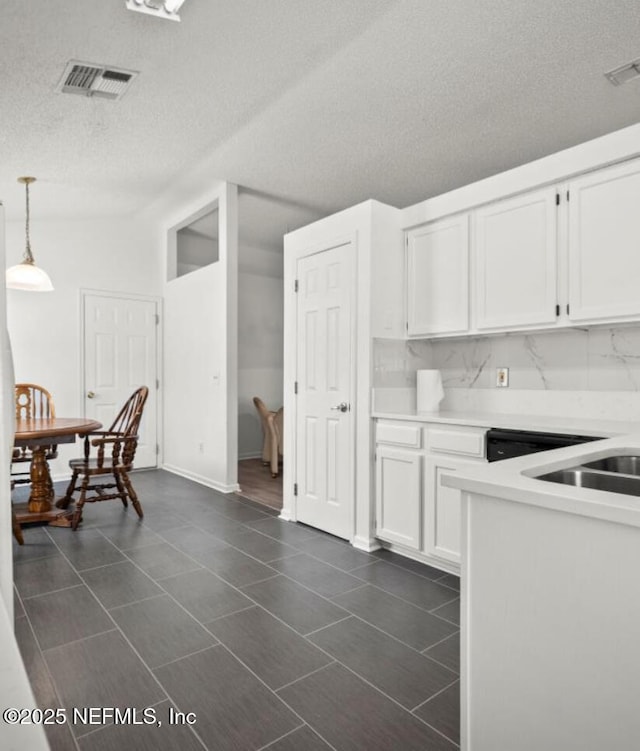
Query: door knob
x=90, y=394
x=342, y=407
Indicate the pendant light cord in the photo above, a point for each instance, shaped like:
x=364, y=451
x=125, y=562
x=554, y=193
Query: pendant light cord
x=28, y=255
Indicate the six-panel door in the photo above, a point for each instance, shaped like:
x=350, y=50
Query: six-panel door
x=324, y=415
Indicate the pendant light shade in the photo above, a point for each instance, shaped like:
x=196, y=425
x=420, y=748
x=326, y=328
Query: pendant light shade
x=26, y=275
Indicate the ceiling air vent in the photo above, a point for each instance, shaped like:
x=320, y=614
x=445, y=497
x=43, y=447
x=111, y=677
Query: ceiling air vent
x=624, y=73
x=88, y=79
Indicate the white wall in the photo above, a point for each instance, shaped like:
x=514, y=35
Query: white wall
x=6, y=446
x=200, y=342
x=114, y=254
x=260, y=341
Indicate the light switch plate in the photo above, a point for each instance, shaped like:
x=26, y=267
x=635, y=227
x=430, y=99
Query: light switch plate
x=502, y=377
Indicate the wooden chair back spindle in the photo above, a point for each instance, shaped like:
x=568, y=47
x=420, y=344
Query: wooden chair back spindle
x=32, y=402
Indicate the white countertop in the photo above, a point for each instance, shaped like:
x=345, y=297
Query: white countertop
x=544, y=423
x=516, y=480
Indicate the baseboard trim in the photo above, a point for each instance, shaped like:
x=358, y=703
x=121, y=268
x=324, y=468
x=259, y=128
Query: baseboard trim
x=444, y=566
x=249, y=456
x=368, y=544
x=206, y=481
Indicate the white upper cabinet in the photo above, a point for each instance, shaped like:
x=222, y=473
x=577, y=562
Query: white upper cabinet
x=438, y=277
x=567, y=254
x=604, y=244
x=515, y=249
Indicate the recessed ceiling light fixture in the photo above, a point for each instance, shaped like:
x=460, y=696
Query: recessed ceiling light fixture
x=624, y=73
x=159, y=8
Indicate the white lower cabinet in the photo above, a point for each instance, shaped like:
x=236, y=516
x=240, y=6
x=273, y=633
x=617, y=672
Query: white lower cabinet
x=442, y=510
x=399, y=496
x=415, y=512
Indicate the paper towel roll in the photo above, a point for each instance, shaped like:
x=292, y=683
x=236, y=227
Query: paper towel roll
x=429, y=391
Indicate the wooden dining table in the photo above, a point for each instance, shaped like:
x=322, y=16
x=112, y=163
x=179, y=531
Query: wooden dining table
x=36, y=434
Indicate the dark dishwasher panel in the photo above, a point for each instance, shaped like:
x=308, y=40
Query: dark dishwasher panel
x=507, y=444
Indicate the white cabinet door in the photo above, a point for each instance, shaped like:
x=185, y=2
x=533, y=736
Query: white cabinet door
x=438, y=277
x=604, y=244
x=442, y=509
x=398, y=496
x=516, y=249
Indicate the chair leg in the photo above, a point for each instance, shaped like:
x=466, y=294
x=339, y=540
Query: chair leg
x=273, y=445
x=121, y=489
x=17, y=529
x=132, y=495
x=77, y=514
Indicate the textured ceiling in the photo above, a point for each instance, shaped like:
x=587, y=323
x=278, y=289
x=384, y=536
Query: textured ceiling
x=310, y=105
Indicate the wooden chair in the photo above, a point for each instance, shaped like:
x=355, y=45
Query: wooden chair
x=272, y=432
x=115, y=451
x=31, y=401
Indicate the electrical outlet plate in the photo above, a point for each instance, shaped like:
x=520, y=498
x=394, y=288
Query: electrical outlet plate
x=502, y=377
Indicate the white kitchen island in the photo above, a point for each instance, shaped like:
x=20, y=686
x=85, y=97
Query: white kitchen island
x=550, y=592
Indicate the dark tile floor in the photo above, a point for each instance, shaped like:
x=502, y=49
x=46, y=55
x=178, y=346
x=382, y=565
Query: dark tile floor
x=273, y=635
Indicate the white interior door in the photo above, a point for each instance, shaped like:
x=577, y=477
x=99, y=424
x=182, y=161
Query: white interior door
x=324, y=414
x=120, y=355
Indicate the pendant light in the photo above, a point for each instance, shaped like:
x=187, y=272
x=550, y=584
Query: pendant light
x=26, y=275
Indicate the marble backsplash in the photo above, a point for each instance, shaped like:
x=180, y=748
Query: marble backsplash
x=597, y=359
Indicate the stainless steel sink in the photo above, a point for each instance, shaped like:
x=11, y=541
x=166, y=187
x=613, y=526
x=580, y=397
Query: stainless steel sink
x=586, y=478
x=626, y=465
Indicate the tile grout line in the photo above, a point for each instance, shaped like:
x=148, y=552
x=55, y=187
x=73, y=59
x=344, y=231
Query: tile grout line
x=328, y=625
x=185, y=657
x=282, y=737
x=227, y=615
x=382, y=631
x=407, y=572
x=348, y=592
x=79, y=640
x=437, y=693
x=52, y=592
x=446, y=638
x=302, y=677
x=135, y=602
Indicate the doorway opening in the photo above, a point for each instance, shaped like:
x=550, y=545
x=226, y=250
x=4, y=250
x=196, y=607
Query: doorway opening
x=262, y=224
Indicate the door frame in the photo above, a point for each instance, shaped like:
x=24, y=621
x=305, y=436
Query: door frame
x=289, y=500
x=86, y=292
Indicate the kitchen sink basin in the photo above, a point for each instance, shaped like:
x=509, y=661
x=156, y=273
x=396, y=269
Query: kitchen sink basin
x=627, y=465
x=586, y=478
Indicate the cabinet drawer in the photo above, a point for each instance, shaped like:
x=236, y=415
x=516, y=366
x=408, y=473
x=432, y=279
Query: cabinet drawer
x=399, y=434
x=465, y=442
